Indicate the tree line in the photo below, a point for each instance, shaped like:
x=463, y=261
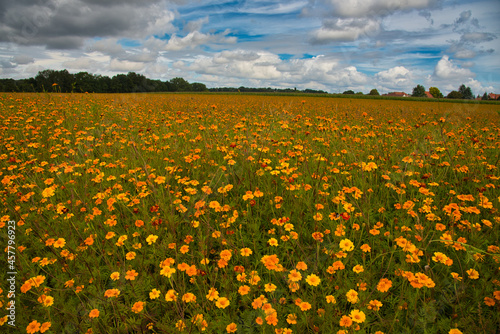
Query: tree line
x=463, y=92
x=65, y=82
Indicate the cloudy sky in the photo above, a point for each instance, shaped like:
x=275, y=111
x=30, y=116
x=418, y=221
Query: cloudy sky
x=334, y=45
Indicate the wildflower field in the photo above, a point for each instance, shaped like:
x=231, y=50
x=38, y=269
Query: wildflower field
x=157, y=213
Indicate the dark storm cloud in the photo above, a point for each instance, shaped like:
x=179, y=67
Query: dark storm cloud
x=65, y=25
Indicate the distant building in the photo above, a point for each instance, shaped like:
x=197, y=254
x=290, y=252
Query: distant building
x=492, y=96
x=429, y=95
x=397, y=94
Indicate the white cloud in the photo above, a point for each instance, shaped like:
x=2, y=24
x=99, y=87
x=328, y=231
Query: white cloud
x=396, y=76
x=160, y=22
x=83, y=63
x=345, y=30
x=21, y=59
x=196, y=25
x=125, y=66
x=445, y=69
x=379, y=8
x=464, y=53
x=196, y=38
x=107, y=46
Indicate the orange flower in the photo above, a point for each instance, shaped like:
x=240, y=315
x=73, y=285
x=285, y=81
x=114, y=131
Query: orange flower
x=131, y=275
x=301, y=266
x=473, y=274
x=243, y=290
x=33, y=327
x=455, y=331
x=46, y=300
x=138, y=307
x=45, y=327
x=111, y=293
x=189, y=298
x=171, y=296
x=231, y=328
x=489, y=301
x=345, y=321
x=294, y=275
x=94, y=313
x=384, y=285
x=304, y=306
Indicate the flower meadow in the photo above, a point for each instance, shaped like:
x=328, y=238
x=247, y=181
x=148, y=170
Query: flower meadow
x=185, y=213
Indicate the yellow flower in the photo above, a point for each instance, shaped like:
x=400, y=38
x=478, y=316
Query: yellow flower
x=48, y=192
x=357, y=316
x=222, y=302
x=352, y=296
x=246, y=251
x=273, y=242
x=151, y=239
x=455, y=331
x=154, y=294
x=313, y=280
x=358, y=269
x=115, y=276
x=171, y=296
x=331, y=299
x=59, y=243
x=46, y=300
x=269, y=287
x=213, y=294
x=346, y=245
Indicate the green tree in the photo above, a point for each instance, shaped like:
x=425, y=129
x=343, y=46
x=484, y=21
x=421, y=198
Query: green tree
x=198, y=87
x=180, y=85
x=436, y=92
x=348, y=92
x=485, y=97
x=374, y=92
x=466, y=92
x=454, y=95
x=418, y=91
